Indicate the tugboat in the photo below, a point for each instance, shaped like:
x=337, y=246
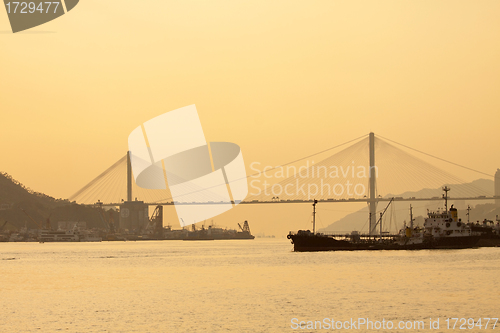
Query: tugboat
x=442, y=230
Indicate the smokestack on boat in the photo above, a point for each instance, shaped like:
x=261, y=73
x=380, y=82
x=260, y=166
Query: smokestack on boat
x=454, y=213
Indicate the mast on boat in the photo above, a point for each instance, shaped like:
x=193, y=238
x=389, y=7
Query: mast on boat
x=411, y=217
x=382, y=215
x=314, y=216
x=445, y=196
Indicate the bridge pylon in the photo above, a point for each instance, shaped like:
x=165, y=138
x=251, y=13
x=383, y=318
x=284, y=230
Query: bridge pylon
x=372, y=200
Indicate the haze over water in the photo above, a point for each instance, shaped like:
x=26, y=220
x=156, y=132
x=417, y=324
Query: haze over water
x=236, y=286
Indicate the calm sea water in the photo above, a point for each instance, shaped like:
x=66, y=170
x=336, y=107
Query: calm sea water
x=237, y=286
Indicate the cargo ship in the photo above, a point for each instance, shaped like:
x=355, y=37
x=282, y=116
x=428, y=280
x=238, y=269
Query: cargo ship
x=441, y=230
x=210, y=233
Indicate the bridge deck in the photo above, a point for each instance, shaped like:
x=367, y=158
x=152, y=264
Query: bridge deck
x=258, y=202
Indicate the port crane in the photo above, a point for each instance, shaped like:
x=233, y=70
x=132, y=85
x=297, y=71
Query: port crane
x=156, y=221
x=245, y=228
x=39, y=225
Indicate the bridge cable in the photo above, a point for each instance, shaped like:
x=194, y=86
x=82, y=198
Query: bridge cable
x=438, y=158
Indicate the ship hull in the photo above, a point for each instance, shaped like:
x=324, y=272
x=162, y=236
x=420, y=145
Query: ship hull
x=314, y=243
x=489, y=241
x=456, y=242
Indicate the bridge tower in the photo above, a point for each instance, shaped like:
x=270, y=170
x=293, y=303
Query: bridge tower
x=129, y=177
x=133, y=214
x=372, y=200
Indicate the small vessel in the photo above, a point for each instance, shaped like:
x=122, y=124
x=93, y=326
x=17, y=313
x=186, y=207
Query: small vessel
x=442, y=230
x=72, y=235
x=57, y=236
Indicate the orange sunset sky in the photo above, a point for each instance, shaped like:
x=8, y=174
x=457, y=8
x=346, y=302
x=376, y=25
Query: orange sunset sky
x=282, y=79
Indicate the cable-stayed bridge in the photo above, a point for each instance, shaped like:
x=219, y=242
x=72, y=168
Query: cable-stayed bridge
x=367, y=169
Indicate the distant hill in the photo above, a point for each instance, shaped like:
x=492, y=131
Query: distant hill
x=16, y=197
x=13, y=192
x=400, y=210
x=478, y=187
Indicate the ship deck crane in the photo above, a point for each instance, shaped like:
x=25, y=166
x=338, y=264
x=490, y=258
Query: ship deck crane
x=382, y=215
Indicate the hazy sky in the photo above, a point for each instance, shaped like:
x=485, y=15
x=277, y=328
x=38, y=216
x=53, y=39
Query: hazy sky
x=280, y=78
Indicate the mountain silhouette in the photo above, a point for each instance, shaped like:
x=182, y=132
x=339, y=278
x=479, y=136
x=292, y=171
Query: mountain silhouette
x=16, y=199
